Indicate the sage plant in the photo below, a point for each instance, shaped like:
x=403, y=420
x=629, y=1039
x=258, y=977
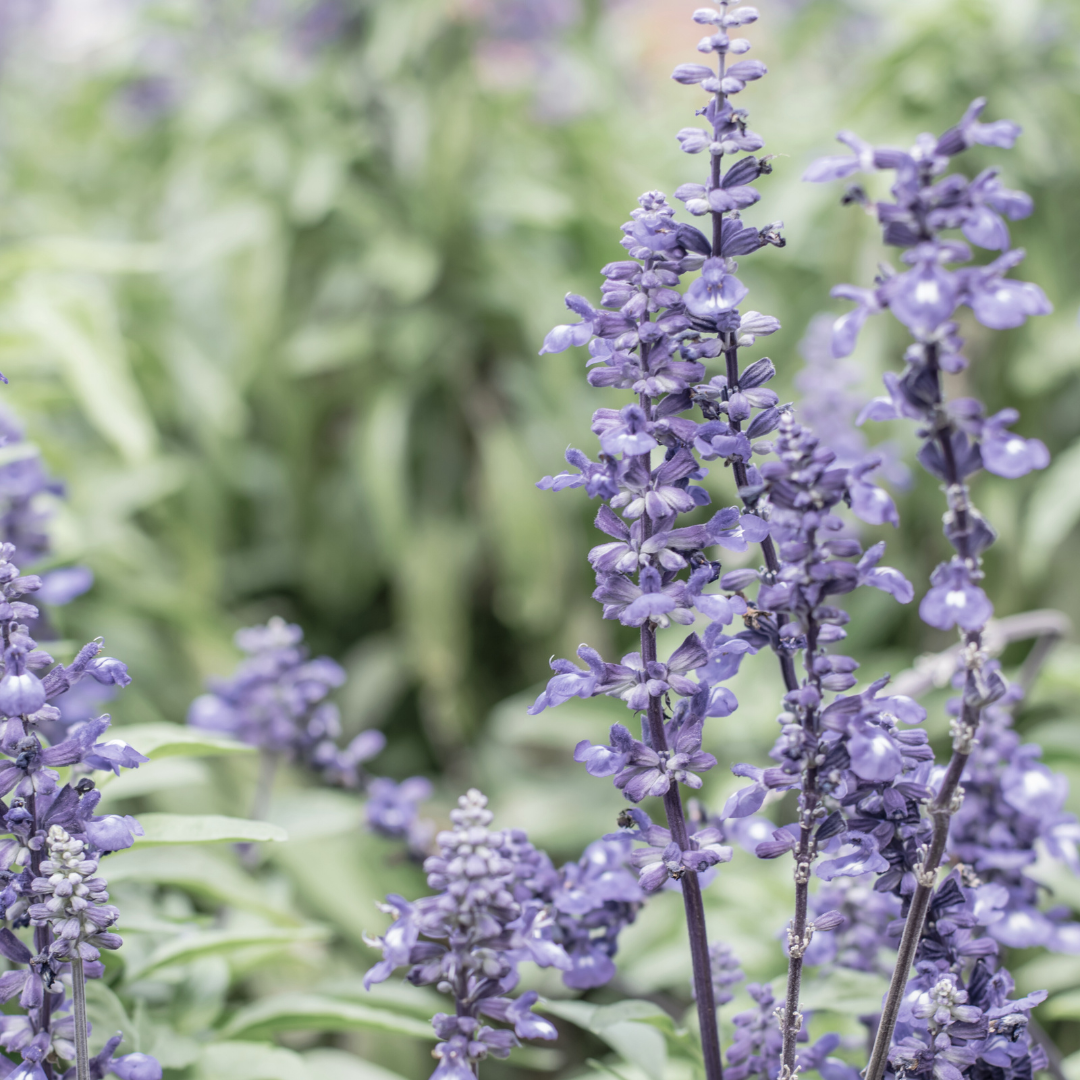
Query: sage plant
x=500, y=902
x=961, y=1019
x=53, y=839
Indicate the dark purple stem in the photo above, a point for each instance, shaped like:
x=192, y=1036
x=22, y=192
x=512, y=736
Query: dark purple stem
x=691, y=887
x=791, y=1022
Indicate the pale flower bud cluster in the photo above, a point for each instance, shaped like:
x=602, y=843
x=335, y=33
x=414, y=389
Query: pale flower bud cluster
x=76, y=906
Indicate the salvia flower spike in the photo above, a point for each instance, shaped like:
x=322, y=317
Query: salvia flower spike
x=929, y=205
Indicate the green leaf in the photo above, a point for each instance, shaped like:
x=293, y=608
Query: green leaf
x=153, y=777
x=577, y=1012
x=420, y=1001
x=314, y=1012
x=1070, y=1066
x=203, y=829
x=639, y=1044
x=621, y=1011
x=108, y=1017
x=329, y=1064
x=1053, y=511
x=201, y=872
x=1063, y=1006
x=595, y=1018
x=846, y=991
x=249, y=1061
x=202, y=943
x=174, y=740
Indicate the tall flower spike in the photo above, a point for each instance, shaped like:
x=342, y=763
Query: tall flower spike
x=656, y=341
x=928, y=206
x=489, y=915
x=53, y=835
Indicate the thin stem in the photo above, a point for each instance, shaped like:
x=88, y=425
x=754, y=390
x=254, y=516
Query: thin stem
x=941, y=811
x=798, y=939
x=691, y=888
x=260, y=805
x=82, y=1049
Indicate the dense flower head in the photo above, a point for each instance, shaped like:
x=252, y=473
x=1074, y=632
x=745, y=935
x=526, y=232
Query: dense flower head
x=276, y=700
x=488, y=915
x=957, y=1017
x=591, y=902
x=75, y=906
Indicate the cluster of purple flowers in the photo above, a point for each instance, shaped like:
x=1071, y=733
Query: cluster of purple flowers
x=862, y=770
x=957, y=1018
x=500, y=902
x=54, y=839
x=276, y=700
x=1012, y=805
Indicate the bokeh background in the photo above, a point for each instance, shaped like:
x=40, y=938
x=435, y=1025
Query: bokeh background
x=273, y=278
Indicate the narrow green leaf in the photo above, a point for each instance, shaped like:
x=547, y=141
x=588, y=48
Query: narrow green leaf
x=173, y=740
x=202, y=943
x=579, y=1013
x=203, y=829
x=152, y=777
x=329, y=1064
x=639, y=1044
x=249, y=1061
x=621, y=1011
x=200, y=871
x=314, y=1012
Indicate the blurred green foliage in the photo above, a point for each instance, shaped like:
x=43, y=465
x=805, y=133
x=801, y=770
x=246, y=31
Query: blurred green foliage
x=270, y=305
